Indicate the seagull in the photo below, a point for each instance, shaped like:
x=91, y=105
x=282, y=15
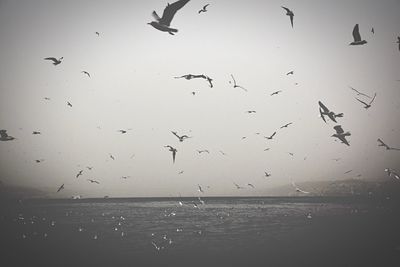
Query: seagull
x=47, y=98
x=381, y=143
x=39, y=160
x=398, y=41
x=125, y=177
x=124, y=131
x=286, y=125
x=5, y=137
x=251, y=185
x=392, y=172
x=112, y=157
x=181, y=172
x=267, y=174
x=85, y=72
x=270, y=137
x=359, y=93
x=251, y=111
x=203, y=151
x=97, y=33
x=290, y=73
x=69, y=104
x=357, y=37
x=291, y=154
x=238, y=186
x=173, y=150
x=55, y=61
x=235, y=84
x=89, y=168
x=341, y=135
x=289, y=13
x=181, y=138
x=299, y=190
x=323, y=110
x=277, y=92
x=163, y=23
x=349, y=171
x=36, y=132
x=79, y=173
x=367, y=106
x=60, y=188
x=204, y=9
x=93, y=181
x=222, y=152
x=336, y=159
x=200, y=189
x=373, y=30
x=196, y=76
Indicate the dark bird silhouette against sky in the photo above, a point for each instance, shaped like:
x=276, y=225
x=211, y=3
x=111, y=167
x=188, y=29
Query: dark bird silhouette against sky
x=357, y=37
x=203, y=151
x=197, y=76
x=87, y=73
x=270, y=137
x=290, y=14
x=359, y=93
x=163, y=23
x=286, y=125
x=36, y=132
x=204, y=9
x=398, y=41
x=55, y=60
x=290, y=72
x=69, y=104
x=60, y=188
x=341, y=135
x=276, y=92
x=367, y=105
x=235, y=85
x=181, y=138
x=324, y=111
x=79, y=173
x=4, y=136
x=173, y=150
x=381, y=143
x=93, y=181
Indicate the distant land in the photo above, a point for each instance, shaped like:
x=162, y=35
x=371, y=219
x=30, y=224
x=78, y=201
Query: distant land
x=338, y=188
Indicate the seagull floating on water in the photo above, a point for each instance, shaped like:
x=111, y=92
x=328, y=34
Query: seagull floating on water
x=341, y=135
x=290, y=14
x=55, y=60
x=357, y=37
x=5, y=137
x=163, y=23
x=204, y=9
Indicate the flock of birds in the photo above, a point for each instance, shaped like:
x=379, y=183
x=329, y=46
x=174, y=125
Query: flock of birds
x=163, y=24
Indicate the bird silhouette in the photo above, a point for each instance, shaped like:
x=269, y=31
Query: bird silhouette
x=290, y=14
x=173, y=150
x=60, y=188
x=69, y=104
x=266, y=174
x=85, y=72
x=112, y=157
x=270, y=137
x=341, y=135
x=235, y=85
x=203, y=151
x=79, y=173
x=252, y=186
x=36, y=132
x=298, y=189
x=200, y=189
x=204, y=9
x=367, y=106
x=373, y=30
x=290, y=73
x=286, y=125
x=238, y=186
x=196, y=76
x=5, y=137
x=163, y=23
x=55, y=60
x=181, y=138
x=357, y=37
x=323, y=110
x=97, y=33
x=381, y=143
x=251, y=111
x=93, y=181
x=276, y=92
x=398, y=41
x=359, y=93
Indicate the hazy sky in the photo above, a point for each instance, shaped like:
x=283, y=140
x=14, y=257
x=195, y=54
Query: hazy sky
x=132, y=66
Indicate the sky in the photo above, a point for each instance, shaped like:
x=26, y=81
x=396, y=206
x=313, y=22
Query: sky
x=132, y=86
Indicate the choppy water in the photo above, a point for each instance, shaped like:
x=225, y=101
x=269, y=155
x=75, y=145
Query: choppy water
x=223, y=231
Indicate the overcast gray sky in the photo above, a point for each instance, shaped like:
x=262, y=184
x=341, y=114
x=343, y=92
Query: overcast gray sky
x=132, y=66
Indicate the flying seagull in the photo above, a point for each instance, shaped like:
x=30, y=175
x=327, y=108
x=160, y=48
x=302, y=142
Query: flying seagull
x=173, y=150
x=251, y=185
x=200, y=189
x=286, y=125
x=93, y=181
x=69, y=104
x=357, y=37
x=85, y=72
x=204, y=9
x=60, y=188
x=392, y=172
x=359, y=93
x=181, y=138
x=112, y=157
x=323, y=110
x=398, y=41
x=97, y=33
x=36, y=132
x=163, y=23
x=277, y=92
x=349, y=171
x=89, y=168
x=124, y=131
x=367, y=106
x=196, y=76
x=290, y=73
x=79, y=173
x=235, y=85
x=222, y=153
x=341, y=135
x=298, y=189
x=125, y=177
x=238, y=186
x=381, y=143
x=289, y=13
x=55, y=60
x=203, y=151
x=251, y=111
x=373, y=30
x=270, y=137
x=5, y=137
x=267, y=174
x=39, y=160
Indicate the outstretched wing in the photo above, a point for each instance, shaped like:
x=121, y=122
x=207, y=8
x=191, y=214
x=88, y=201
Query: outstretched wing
x=52, y=59
x=174, y=133
x=291, y=19
x=170, y=11
x=372, y=99
x=322, y=114
x=287, y=9
x=362, y=101
x=155, y=16
x=356, y=34
x=325, y=109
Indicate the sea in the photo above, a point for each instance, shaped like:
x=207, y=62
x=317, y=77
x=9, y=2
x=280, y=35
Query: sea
x=207, y=231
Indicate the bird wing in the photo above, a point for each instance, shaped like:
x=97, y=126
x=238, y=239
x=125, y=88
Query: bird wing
x=343, y=139
x=322, y=115
x=325, y=109
x=287, y=9
x=356, y=34
x=234, y=81
x=381, y=143
x=173, y=155
x=170, y=11
x=338, y=129
x=372, y=99
x=52, y=59
x=362, y=101
x=155, y=16
x=204, y=7
x=291, y=19
x=174, y=133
